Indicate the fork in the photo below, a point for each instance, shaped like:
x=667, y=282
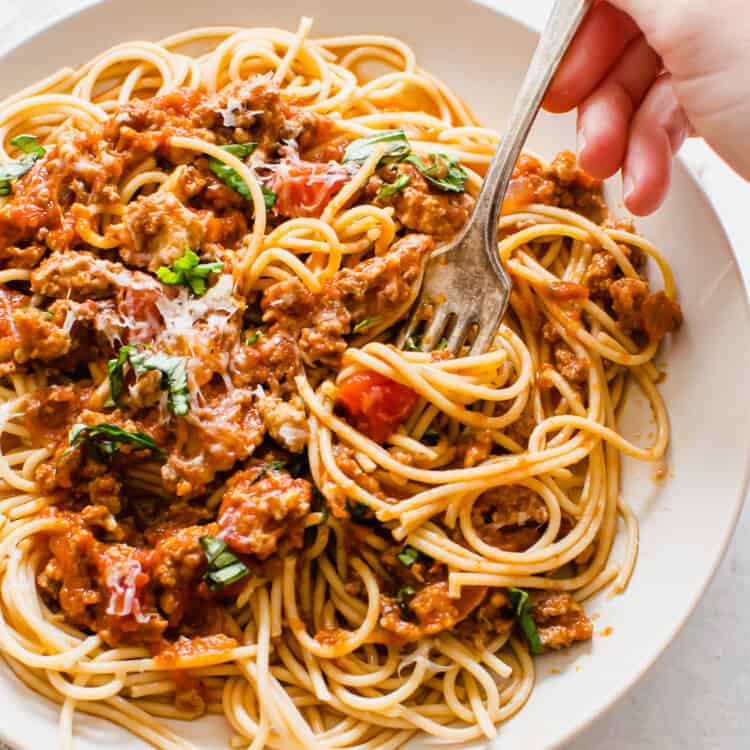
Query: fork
x=465, y=284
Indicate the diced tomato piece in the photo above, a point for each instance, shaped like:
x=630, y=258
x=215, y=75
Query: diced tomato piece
x=304, y=188
x=139, y=309
x=375, y=404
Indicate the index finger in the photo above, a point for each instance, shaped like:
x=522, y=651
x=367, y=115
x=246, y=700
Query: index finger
x=601, y=40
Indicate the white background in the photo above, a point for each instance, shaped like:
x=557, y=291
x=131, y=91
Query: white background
x=697, y=696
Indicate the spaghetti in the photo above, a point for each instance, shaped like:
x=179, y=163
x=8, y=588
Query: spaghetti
x=223, y=489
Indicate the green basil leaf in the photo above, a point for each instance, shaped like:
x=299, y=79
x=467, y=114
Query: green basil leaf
x=174, y=377
x=15, y=168
x=444, y=173
x=397, y=147
x=29, y=145
x=224, y=567
x=409, y=555
x=231, y=178
x=405, y=593
x=366, y=323
x=362, y=514
x=107, y=439
x=519, y=600
x=390, y=188
x=253, y=338
x=116, y=375
x=189, y=271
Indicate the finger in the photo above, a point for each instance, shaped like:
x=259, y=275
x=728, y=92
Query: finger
x=602, y=38
x=659, y=128
x=604, y=117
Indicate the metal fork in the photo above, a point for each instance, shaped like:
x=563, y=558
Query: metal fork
x=465, y=284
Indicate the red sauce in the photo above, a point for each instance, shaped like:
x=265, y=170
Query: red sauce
x=304, y=189
x=568, y=290
x=169, y=655
x=375, y=404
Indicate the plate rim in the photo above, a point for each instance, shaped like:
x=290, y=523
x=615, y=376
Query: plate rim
x=595, y=710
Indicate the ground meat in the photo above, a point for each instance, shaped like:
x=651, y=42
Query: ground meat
x=599, y=275
x=575, y=369
x=261, y=506
x=285, y=421
x=520, y=429
x=103, y=587
x=419, y=206
x=637, y=310
x=226, y=428
x=560, y=620
x=21, y=257
x=379, y=286
x=476, y=447
x=491, y=619
x=180, y=567
x=49, y=412
x=432, y=609
x=374, y=288
x=509, y=517
x=561, y=183
x=272, y=360
x=81, y=169
x=156, y=231
x=252, y=106
x=27, y=333
x=318, y=322
x=105, y=491
x=82, y=276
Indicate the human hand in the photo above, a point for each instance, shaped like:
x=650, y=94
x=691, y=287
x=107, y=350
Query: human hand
x=644, y=75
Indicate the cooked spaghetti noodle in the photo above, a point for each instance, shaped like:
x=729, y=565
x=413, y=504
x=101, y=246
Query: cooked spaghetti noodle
x=223, y=489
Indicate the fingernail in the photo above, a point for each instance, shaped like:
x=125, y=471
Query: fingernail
x=627, y=186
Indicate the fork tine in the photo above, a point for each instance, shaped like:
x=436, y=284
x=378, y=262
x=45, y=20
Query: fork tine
x=435, y=328
x=485, y=336
x=408, y=330
x=460, y=332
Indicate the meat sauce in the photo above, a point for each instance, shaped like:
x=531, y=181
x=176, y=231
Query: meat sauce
x=127, y=558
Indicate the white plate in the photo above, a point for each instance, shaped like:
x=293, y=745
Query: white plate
x=686, y=520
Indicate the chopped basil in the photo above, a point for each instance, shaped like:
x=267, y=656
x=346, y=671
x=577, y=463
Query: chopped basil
x=173, y=371
x=397, y=147
x=224, y=567
x=410, y=345
x=361, y=513
x=402, y=598
x=29, y=145
x=391, y=188
x=325, y=514
x=443, y=344
x=15, y=168
x=276, y=465
x=232, y=179
x=367, y=323
x=253, y=338
x=444, y=172
x=189, y=271
x=409, y=555
x=116, y=375
x=173, y=377
x=106, y=439
x=519, y=600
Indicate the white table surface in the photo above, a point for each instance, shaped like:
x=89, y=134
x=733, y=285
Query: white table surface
x=697, y=696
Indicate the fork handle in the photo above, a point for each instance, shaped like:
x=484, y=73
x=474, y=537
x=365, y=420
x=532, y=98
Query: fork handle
x=561, y=27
